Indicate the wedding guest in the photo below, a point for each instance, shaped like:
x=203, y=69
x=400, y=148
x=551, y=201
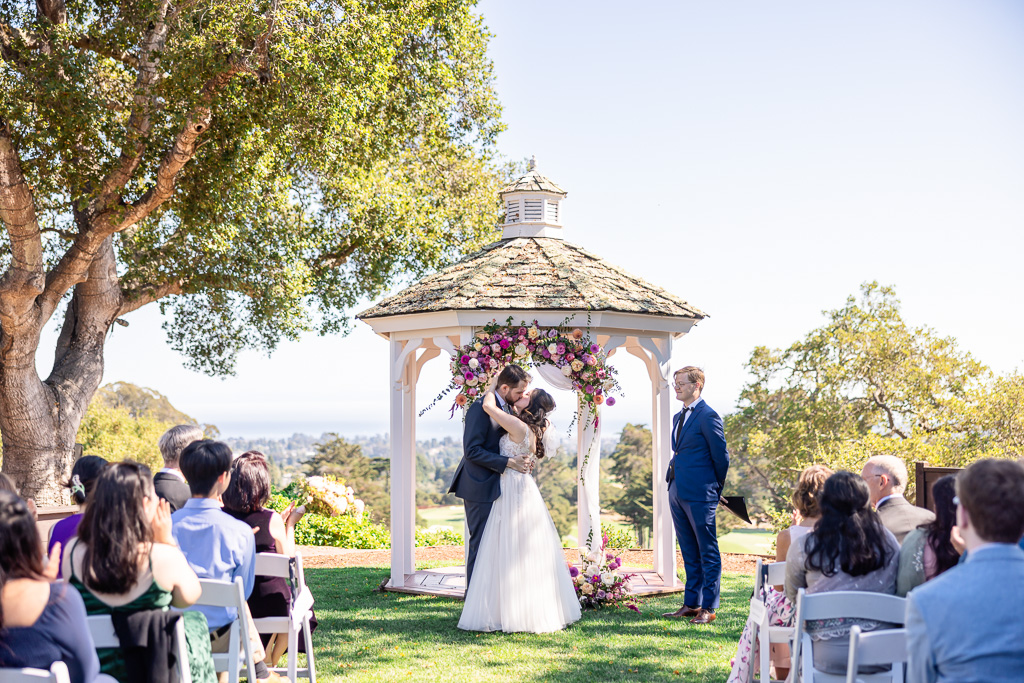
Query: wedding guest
x=40, y=622
x=217, y=545
x=886, y=477
x=848, y=550
x=244, y=499
x=83, y=478
x=169, y=482
x=780, y=609
x=966, y=624
x=124, y=561
x=927, y=551
x=695, y=477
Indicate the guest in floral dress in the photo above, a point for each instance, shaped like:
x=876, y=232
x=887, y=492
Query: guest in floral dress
x=927, y=551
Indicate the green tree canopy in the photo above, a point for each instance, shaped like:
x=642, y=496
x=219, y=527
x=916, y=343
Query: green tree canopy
x=632, y=467
x=256, y=168
x=867, y=382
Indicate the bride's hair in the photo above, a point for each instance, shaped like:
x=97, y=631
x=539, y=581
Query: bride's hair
x=535, y=416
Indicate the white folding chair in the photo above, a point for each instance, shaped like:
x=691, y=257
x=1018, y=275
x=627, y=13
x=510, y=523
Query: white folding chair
x=101, y=628
x=238, y=661
x=763, y=631
x=58, y=673
x=876, y=647
x=271, y=564
x=848, y=604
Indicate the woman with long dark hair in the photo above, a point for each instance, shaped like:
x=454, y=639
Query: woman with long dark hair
x=927, y=550
x=848, y=550
x=125, y=560
x=83, y=477
x=519, y=539
x=247, y=493
x=40, y=622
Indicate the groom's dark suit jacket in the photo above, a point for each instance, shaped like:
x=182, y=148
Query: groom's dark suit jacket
x=478, y=476
x=700, y=459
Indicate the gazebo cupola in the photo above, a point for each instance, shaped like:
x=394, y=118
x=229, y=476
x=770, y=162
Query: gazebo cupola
x=532, y=206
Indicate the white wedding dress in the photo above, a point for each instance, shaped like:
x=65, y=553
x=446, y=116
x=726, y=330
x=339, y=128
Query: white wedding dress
x=520, y=581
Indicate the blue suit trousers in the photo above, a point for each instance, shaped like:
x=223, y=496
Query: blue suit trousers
x=694, y=522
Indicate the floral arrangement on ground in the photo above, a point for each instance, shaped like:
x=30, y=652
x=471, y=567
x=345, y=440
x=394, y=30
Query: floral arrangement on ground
x=581, y=360
x=598, y=583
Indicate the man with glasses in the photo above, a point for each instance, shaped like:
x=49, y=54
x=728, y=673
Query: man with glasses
x=886, y=477
x=695, y=479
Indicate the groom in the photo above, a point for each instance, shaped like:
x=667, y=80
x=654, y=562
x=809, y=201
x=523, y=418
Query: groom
x=695, y=478
x=476, y=479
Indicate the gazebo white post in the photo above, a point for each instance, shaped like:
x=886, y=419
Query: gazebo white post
x=588, y=437
x=403, y=459
x=663, y=539
x=465, y=337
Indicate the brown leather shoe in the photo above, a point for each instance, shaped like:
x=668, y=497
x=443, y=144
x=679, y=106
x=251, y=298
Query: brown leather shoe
x=704, y=616
x=683, y=611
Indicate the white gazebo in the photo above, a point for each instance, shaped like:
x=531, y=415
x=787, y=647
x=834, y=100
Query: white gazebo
x=530, y=274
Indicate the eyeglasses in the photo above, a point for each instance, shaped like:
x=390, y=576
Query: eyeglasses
x=680, y=385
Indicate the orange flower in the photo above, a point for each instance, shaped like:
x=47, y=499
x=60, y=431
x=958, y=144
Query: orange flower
x=577, y=333
x=599, y=399
x=460, y=400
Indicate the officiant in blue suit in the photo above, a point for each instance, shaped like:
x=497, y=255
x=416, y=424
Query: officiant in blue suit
x=695, y=479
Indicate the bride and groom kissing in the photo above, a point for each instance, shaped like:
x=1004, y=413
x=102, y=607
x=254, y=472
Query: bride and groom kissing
x=516, y=576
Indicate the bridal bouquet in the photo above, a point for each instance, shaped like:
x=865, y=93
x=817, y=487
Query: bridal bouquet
x=599, y=582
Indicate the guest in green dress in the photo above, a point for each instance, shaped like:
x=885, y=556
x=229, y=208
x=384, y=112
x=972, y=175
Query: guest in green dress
x=927, y=551
x=125, y=560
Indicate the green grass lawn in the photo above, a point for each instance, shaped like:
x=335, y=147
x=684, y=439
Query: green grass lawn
x=365, y=635
x=449, y=515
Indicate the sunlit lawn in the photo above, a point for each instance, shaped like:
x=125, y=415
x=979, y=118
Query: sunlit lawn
x=365, y=635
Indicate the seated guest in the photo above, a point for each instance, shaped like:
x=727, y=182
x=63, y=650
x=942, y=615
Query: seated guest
x=40, y=622
x=124, y=562
x=169, y=481
x=83, y=478
x=780, y=609
x=886, y=477
x=966, y=624
x=927, y=550
x=848, y=550
x=217, y=545
x=247, y=493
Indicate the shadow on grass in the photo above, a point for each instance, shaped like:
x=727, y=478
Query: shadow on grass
x=367, y=635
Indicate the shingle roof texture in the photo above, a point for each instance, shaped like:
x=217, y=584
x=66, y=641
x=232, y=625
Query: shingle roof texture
x=534, y=273
x=532, y=182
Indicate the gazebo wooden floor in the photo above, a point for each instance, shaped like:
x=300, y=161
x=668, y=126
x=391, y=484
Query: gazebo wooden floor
x=450, y=582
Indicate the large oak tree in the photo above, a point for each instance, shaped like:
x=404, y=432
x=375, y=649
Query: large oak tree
x=256, y=168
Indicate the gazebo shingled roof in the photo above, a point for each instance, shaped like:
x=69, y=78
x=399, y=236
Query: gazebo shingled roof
x=535, y=273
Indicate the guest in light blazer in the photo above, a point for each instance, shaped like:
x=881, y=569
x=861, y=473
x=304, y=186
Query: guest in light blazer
x=966, y=624
x=695, y=479
x=886, y=477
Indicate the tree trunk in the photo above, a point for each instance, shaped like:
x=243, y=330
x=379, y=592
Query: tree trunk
x=39, y=420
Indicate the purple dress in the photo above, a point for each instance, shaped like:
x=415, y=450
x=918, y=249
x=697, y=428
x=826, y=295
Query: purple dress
x=62, y=532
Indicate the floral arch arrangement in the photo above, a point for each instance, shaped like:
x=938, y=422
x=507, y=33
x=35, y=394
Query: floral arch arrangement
x=582, y=361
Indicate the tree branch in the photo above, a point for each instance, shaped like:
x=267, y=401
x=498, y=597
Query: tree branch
x=93, y=45
x=54, y=10
x=878, y=396
x=23, y=280
x=138, y=297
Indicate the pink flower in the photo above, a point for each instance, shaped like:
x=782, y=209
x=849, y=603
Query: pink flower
x=459, y=381
x=496, y=348
x=464, y=359
x=505, y=343
x=552, y=333
x=589, y=389
x=561, y=348
x=544, y=352
x=594, y=348
x=601, y=374
x=472, y=391
x=570, y=357
x=468, y=375
x=473, y=354
x=610, y=401
x=486, y=350
x=522, y=331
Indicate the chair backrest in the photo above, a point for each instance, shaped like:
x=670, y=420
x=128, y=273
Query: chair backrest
x=58, y=673
x=101, y=628
x=875, y=647
x=230, y=594
x=776, y=573
x=272, y=564
x=759, y=576
x=835, y=604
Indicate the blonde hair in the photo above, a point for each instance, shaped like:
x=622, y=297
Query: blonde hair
x=693, y=374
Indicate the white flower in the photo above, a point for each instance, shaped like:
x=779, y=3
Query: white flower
x=474, y=363
x=478, y=346
x=472, y=382
x=553, y=348
x=586, y=589
x=594, y=556
x=566, y=370
x=608, y=579
x=592, y=569
x=495, y=348
x=521, y=350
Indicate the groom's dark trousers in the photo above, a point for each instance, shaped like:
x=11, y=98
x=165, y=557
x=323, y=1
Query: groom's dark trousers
x=477, y=479
x=695, y=478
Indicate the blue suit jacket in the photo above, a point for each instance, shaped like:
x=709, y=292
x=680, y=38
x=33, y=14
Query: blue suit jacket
x=701, y=459
x=478, y=476
x=967, y=623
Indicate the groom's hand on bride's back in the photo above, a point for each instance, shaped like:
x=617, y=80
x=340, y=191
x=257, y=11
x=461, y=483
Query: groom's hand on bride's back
x=520, y=463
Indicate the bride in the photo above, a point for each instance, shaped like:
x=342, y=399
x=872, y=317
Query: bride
x=520, y=581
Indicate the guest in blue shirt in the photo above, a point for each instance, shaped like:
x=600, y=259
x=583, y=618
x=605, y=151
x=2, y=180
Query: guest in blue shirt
x=216, y=545
x=965, y=625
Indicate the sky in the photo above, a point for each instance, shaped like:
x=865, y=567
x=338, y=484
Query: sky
x=759, y=160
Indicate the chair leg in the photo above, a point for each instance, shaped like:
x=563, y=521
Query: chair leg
x=293, y=652
x=307, y=636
